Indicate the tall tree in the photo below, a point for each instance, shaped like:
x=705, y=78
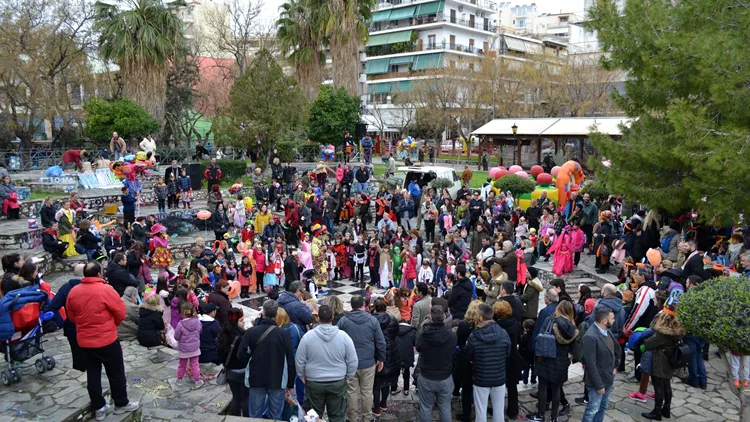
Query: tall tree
x=232, y=29
x=264, y=103
x=300, y=33
x=687, y=92
x=331, y=114
x=141, y=39
x=346, y=28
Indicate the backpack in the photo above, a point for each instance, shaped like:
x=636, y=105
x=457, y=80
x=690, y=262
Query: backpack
x=681, y=356
x=665, y=243
x=367, y=142
x=578, y=343
x=545, y=345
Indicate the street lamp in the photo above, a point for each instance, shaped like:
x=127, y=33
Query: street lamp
x=517, y=151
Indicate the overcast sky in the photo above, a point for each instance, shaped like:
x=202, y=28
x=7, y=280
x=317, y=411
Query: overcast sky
x=271, y=8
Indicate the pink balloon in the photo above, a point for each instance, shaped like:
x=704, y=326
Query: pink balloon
x=493, y=172
x=502, y=173
x=522, y=174
x=536, y=170
x=555, y=170
x=544, y=179
x=515, y=169
x=331, y=147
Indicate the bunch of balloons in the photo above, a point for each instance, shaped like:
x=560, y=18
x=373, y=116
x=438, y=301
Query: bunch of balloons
x=406, y=144
x=327, y=153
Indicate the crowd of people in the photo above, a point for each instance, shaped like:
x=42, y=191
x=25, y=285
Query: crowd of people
x=451, y=302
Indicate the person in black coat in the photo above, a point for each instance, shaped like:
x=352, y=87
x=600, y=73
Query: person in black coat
x=228, y=340
x=118, y=276
x=209, y=333
x=151, y=323
x=463, y=374
x=504, y=317
x=69, y=328
x=52, y=244
x=88, y=242
x=553, y=372
x=461, y=293
x=47, y=213
x=506, y=295
x=291, y=269
x=693, y=264
x=405, y=341
x=220, y=221
x=389, y=375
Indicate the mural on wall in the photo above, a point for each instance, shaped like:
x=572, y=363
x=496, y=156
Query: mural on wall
x=30, y=239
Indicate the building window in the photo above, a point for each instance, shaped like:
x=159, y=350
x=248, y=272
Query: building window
x=564, y=20
x=522, y=23
x=431, y=42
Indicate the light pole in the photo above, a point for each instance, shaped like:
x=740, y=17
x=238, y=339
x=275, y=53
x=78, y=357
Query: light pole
x=517, y=151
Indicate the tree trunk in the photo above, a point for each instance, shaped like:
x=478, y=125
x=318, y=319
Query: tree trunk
x=345, y=50
x=744, y=400
x=145, y=85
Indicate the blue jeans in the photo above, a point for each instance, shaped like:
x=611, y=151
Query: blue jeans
x=696, y=367
x=362, y=187
x=257, y=402
x=597, y=405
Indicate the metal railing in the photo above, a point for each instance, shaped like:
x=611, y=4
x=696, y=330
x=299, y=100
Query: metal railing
x=44, y=158
x=478, y=23
x=383, y=50
x=484, y=4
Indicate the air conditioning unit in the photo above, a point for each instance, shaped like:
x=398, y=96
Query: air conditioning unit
x=481, y=14
x=460, y=8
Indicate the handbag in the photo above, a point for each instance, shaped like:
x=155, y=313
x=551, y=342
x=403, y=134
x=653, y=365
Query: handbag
x=545, y=345
x=221, y=378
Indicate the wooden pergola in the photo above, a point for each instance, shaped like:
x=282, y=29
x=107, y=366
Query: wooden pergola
x=518, y=132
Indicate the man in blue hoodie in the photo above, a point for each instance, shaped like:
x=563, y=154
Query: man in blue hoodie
x=368, y=339
x=326, y=359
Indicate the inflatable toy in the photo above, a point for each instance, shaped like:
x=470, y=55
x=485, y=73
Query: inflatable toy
x=242, y=247
x=235, y=188
x=494, y=172
x=234, y=289
x=569, y=175
x=522, y=174
x=515, y=169
x=654, y=257
x=555, y=170
x=536, y=170
x=203, y=215
x=327, y=153
x=544, y=179
x=502, y=173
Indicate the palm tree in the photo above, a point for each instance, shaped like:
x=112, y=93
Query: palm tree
x=142, y=40
x=346, y=27
x=300, y=33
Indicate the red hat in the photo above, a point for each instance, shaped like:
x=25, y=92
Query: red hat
x=157, y=228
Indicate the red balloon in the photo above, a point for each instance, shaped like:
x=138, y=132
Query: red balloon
x=536, y=170
x=502, y=173
x=544, y=179
x=493, y=172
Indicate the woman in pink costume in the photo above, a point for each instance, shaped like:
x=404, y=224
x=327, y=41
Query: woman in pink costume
x=305, y=254
x=563, y=252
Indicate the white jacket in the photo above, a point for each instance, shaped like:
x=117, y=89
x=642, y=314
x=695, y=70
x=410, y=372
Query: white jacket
x=148, y=146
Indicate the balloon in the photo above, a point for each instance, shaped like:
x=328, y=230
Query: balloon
x=331, y=147
x=515, y=169
x=544, y=179
x=242, y=247
x=127, y=168
x=234, y=289
x=522, y=174
x=555, y=170
x=536, y=170
x=502, y=173
x=493, y=172
x=654, y=257
x=203, y=215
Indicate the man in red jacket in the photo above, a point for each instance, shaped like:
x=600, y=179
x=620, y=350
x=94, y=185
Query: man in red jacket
x=212, y=174
x=96, y=310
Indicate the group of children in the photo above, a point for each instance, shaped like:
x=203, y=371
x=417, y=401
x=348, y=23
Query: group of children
x=170, y=191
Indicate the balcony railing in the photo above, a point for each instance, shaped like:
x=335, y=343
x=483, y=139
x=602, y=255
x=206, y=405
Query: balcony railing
x=484, y=4
x=478, y=23
x=384, y=50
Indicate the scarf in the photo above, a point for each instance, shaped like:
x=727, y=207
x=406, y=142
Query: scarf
x=692, y=254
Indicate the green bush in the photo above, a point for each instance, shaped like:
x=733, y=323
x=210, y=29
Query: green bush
x=441, y=183
x=516, y=184
x=718, y=311
x=288, y=143
x=231, y=170
x=596, y=190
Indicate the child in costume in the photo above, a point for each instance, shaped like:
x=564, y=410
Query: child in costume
x=259, y=256
x=319, y=256
x=397, y=267
x=339, y=251
x=239, y=212
x=159, y=247
x=246, y=278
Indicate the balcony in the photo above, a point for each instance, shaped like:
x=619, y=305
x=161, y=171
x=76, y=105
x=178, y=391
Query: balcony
x=483, y=4
x=384, y=50
x=478, y=23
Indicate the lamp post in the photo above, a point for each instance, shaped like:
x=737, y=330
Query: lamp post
x=517, y=151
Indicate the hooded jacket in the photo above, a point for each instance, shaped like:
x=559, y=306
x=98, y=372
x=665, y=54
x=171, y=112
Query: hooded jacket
x=663, y=343
x=150, y=327
x=555, y=370
x=460, y=297
x=488, y=348
x=188, y=336
x=128, y=329
x=365, y=332
x=644, y=307
x=209, y=332
x=326, y=354
x=530, y=298
x=674, y=243
x=435, y=345
x=298, y=312
x=96, y=310
x=615, y=304
x=389, y=326
x=406, y=341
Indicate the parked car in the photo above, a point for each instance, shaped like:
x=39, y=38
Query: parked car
x=425, y=175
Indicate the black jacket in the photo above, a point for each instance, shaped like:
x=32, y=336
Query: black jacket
x=48, y=216
x=88, y=240
x=389, y=326
x=362, y=176
x=555, y=370
x=58, y=302
x=516, y=305
x=150, y=326
x=134, y=263
x=435, y=345
x=269, y=356
x=220, y=221
x=406, y=340
x=460, y=298
x=119, y=278
x=694, y=266
x=50, y=243
x=513, y=368
x=234, y=362
x=209, y=348
x=489, y=349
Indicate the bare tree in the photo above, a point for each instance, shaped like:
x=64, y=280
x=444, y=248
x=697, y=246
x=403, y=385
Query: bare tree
x=235, y=30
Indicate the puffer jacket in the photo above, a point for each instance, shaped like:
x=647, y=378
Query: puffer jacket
x=298, y=312
x=160, y=190
x=555, y=370
x=663, y=343
x=460, y=297
x=530, y=298
x=390, y=328
x=674, y=243
x=493, y=289
x=128, y=329
x=96, y=310
x=406, y=340
x=150, y=326
x=188, y=336
x=489, y=348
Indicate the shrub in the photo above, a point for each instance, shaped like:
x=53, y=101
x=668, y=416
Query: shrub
x=231, y=170
x=596, y=190
x=396, y=180
x=288, y=143
x=516, y=184
x=441, y=183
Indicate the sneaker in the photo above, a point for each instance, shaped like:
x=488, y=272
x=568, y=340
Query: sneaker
x=564, y=410
x=535, y=418
x=130, y=407
x=384, y=406
x=633, y=380
x=102, y=413
x=737, y=383
x=375, y=411
x=651, y=396
x=406, y=392
x=637, y=396
x=199, y=383
x=179, y=381
x=582, y=400
x=394, y=392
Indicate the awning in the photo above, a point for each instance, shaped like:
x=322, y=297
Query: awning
x=401, y=86
x=391, y=38
x=402, y=60
x=428, y=61
x=430, y=8
x=376, y=66
x=381, y=16
x=554, y=127
x=403, y=13
x=380, y=88
x=522, y=46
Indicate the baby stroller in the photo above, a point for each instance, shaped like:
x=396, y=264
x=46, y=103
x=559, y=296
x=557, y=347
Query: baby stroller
x=21, y=332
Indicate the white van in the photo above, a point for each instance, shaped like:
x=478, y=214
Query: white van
x=424, y=175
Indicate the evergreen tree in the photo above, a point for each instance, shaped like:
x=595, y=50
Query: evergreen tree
x=687, y=91
x=333, y=113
